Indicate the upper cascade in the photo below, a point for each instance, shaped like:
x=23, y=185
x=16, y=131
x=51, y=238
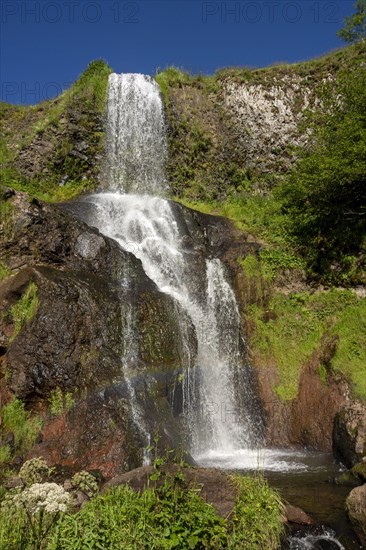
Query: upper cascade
x=136, y=145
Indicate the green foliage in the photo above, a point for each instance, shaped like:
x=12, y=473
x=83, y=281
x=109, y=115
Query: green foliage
x=7, y=217
x=25, y=309
x=169, y=516
x=4, y=271
x=35, y=470
x=355, y=25
x=28, y=516
x=325, y=196
x=256, y=519
x=13, y=528
x=275, y=260
x=5, y=455
x=54, y=122
x=171, y=77
x=18, y=421
x=92, y=85
x=295, y=330
x=60, y=402
x=85, y=482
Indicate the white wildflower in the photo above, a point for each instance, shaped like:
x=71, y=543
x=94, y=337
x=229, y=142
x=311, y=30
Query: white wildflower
x=50, y=497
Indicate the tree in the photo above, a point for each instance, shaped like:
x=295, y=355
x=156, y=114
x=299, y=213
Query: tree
x=355, y=25
x=325, y=195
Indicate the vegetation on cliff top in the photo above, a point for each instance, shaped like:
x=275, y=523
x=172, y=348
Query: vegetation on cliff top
x=53, y=150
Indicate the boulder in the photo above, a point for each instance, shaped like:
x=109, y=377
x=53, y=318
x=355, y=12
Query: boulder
x=294, y=514
x=356, y=508
x=349, y=434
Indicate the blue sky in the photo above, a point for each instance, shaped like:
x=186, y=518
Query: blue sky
x=46, y=44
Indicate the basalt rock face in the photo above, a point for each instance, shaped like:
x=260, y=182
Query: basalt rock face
x=78, y=340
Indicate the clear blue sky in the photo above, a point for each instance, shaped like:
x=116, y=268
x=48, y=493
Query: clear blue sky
x=46, y=44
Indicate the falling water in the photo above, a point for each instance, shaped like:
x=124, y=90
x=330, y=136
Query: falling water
x=219, y=402
x=218, y=410
x=136, y=147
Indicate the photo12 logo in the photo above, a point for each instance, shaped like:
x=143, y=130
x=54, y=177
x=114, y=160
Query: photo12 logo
x=35, y=92
x=268, y=11
x=71, y=12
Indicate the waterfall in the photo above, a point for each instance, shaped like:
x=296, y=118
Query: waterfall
x=136, y=147
x=218, y=410
x=219, y=403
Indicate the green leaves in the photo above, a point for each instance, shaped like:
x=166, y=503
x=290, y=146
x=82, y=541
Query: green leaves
x=355, y=25
x=325, y=196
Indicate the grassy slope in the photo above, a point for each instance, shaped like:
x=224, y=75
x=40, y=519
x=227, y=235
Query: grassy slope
x=57, y=126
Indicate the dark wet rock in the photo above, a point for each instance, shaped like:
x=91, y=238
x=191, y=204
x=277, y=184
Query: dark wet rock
x=347, y=479
x=73, y=342
x=359, y=471
x=349, y=434
x=356, y=508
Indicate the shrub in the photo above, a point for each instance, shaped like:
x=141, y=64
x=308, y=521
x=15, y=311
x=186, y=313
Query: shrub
x=60, y=402
x=85, y=482
x=35, y=470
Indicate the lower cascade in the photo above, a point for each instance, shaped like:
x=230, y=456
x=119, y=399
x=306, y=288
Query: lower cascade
x=220, y=411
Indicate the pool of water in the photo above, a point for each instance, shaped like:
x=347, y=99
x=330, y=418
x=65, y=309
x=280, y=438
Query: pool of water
x=304, y=478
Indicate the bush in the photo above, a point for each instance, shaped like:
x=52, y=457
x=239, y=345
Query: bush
x=35, y=470
x=325, y=196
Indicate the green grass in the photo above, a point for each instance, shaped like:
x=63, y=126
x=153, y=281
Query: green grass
x=82, y=105
x=4, y=271
x=18, y=421
x=25, y=309
x=171, y=515
x=7, y=211
x=294, y=334
x=256, y=521
x=261, y=217
x=256, y=214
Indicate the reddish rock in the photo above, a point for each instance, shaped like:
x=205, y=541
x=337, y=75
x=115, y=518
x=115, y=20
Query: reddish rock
x=294, y=514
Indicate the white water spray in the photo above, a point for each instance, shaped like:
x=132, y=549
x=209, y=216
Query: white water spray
x=136, y=147
x=147, y=227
